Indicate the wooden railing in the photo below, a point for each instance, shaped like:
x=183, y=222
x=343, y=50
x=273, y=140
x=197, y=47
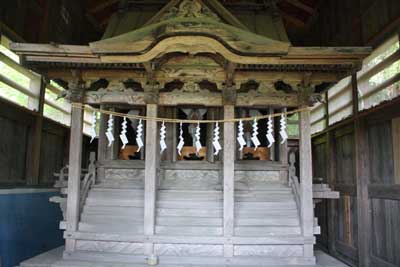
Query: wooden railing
x=294, y=180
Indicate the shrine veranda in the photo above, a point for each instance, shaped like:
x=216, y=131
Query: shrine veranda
x=221, y=197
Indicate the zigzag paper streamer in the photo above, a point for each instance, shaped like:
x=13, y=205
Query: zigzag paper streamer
x=240, y=138
x=197, y=135
x=93, y=133
x=216, y=144
x=270, y=132
x=254, y=137
x=109, y=132
x=122, y=136
x=139, y=133
x=163, y=131
x=282, y=132
x=181, y=140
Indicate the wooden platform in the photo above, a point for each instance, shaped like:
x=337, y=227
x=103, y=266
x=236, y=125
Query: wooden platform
x=53, y=258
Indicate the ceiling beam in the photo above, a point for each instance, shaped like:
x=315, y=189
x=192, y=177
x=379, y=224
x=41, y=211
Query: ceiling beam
x=102, y=6
x=292, y=19
x=301, y=5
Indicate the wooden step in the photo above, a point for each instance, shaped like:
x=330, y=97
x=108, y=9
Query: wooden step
x=113, y=227
x=91, y=218
x=189, y=230
x=266, y=230
x=188, y=221
x=99, y=259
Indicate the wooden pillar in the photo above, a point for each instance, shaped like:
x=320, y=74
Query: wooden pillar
x=228, y=176
x=210, y=134
x=362, y=175
x=102, y=146
x=283, y=149
x=306, y=209
x=331, y=174
x=363, y=207
x=150, y=182
x=74, y=174
x=272, y=148
x=174, y=135
x=113, y=150
x=33, y=164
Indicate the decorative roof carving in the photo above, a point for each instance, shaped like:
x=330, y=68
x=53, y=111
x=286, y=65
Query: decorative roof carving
x=189, y=9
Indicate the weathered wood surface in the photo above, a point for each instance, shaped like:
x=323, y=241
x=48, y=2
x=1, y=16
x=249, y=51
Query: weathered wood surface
x=376, y=206
x=229, y=146
x=151, y=166
x=307, y=214
x=74, y=175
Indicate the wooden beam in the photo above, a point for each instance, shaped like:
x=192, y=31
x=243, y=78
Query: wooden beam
x=102, y=145
x=306, y=177
x=228, y=176
x=362, y=179
x=283, y=149
x=331, y=174
x=74, y=175
x=157, y=16
x=293, y=20
x=102, y=5
x=225, y=14
x=33, y=164
x=396, y=148
x=362, y=175
x=150, y=187
x=301, y=5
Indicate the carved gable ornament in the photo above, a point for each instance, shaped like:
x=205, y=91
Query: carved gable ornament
x=190, y=9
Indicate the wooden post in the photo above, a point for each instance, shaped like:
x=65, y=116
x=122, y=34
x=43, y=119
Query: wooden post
x=102, y=146
x=228, y=176
x=210, y=134
x=326, y=107
x=151, y=163
x=174, y=135
x=272, y=149
x=331, y=173
x=362, y=176
x=74, y=175
x=306, y=210
x=283, y=149
x=33, y=164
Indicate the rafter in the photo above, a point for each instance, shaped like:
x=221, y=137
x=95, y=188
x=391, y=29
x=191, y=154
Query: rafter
x=102, y=6
x=292, y=19
x=301, y=5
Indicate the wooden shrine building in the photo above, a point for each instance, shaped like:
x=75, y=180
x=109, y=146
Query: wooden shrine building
x=192, y=60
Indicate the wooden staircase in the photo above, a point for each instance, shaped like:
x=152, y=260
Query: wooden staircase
x=189, y=226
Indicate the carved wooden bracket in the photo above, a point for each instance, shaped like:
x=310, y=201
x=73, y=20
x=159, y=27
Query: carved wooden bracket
x=76, y=91
x=229, y=95
x=151, y=90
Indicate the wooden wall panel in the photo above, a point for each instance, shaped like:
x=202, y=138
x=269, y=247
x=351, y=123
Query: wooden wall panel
x=383, y=204
x=385, y=217
x=13, y=145
x=16, y=137
x=344, y=147
x=381, y=153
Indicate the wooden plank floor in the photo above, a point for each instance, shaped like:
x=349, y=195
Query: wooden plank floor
x=53, y=258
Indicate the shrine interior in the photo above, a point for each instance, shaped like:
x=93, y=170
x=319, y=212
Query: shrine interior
x=199, y=133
